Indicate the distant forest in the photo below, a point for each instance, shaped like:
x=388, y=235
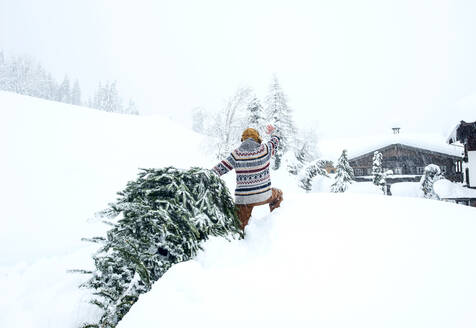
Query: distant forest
x=25, y=76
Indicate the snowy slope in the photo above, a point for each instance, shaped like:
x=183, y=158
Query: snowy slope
x=332, y=260
x=62, y=163
x=328, y=260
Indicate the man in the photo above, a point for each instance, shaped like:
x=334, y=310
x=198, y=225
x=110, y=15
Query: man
x=251, y=161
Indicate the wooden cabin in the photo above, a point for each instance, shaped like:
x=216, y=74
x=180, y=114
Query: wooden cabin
x=408, y=162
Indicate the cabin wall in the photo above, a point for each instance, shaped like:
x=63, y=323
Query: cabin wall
x=471, y=144
x=407, y=161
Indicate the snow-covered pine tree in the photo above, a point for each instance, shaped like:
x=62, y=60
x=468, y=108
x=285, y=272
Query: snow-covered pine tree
x=51, y=87
x=64, y=91
x=107, y=98
x=131, y=108
x=431, y=175
x=256, y=116
x=279, y=114
x=159, y=219
x=312, y=170
x=199, y=120
x=76, y=94
x=344, y=174
x=377, y=171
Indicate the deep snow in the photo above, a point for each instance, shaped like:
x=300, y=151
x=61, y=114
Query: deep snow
x=328, y=260
x=320, y=260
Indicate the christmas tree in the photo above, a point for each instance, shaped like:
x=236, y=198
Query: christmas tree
x=159, y=219
x=344, y=174
x=431, y=175
x=256, y=115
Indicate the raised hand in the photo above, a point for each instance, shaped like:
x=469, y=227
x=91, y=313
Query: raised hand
x=269, y=129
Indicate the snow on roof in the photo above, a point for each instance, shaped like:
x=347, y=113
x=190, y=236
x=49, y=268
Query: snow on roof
x=447, y=189
x=357, y=146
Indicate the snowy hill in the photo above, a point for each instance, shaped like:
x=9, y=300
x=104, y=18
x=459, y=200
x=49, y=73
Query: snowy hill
x=347, y=260
x=62, y=163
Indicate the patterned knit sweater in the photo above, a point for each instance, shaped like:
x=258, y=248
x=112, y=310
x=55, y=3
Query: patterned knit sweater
x=251, y=162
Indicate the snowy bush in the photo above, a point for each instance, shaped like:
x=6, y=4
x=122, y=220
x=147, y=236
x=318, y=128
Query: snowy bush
x=431, y=175
x=159, y=220
x=313, y=169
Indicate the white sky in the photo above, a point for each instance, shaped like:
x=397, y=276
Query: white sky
x=348, y=67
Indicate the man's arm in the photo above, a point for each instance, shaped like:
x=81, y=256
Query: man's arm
x=274, y=141
x=225, y=166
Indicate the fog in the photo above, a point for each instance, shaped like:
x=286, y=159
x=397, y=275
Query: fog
x=348, y=67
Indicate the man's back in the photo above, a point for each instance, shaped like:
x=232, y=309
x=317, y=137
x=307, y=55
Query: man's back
x=251, y=161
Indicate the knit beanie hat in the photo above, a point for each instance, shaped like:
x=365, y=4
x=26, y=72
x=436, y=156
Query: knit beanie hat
x=251, y=133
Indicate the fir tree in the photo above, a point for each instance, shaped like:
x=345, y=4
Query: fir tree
x=64, y=91
x=256, y=117
x=51, y=87
x=76, y=94
x=279, y=114
x=131, y=108
x=162, y=218
x=344, y=174
x=199, y=118
x=377, y=171
x=312, y=170
x=431, y=175
x=107, y=98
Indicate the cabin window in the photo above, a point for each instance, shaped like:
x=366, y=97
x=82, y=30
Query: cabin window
x=397, y=170
x=443, y=168
x=369, y=171
x=359, y=171
x=420, y=170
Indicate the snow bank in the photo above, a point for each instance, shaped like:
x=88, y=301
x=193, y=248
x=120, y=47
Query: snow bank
x=323, y=184
x=328, y=260
x=443, y=188
x=62, y=163
x=406, y=189
x=447, y=189
x=364, y=188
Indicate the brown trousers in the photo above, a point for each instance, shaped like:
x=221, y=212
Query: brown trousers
x=244, y=210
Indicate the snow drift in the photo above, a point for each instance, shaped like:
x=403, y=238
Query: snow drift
x=328, y=260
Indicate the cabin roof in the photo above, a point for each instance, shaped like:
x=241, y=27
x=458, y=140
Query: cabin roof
x=359, y=146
